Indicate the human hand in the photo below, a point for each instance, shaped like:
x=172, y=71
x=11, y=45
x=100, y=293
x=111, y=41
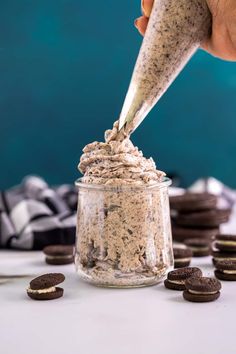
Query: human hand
x=222, y=42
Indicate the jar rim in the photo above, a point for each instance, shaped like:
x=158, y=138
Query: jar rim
x=165, y=182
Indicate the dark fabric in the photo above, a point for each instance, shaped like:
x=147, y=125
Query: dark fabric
x=34, y=215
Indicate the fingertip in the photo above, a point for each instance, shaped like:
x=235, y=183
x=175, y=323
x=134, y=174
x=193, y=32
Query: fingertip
x=141, y=24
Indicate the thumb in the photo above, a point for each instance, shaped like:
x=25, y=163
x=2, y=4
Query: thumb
x=147, y=7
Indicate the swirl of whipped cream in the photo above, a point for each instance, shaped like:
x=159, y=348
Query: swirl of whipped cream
x=117, y=162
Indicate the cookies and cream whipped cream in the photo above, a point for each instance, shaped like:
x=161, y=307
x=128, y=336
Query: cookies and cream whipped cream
x=123, y=232
x=117, y=162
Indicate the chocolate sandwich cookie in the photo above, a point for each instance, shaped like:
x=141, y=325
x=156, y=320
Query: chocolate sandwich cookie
x=176, y=278
x=225, y=243
x=182, y=233
x=44, y=287
x=209, y=218
x=200, y=247
x=222, y=256
x=225, y=270
x=59, y=254
x=193, y=202
x=202, y=289
x=182, y=257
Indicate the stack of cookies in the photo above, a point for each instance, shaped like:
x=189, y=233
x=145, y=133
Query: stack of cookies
x=196, y=221
x=224, y=257
x=195, y=287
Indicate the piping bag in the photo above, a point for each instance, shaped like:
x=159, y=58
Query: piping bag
x=175, y=31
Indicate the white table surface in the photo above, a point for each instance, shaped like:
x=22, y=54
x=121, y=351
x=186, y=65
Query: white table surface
x=90, y=320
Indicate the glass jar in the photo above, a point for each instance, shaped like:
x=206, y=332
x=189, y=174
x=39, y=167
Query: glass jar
x=123, y=234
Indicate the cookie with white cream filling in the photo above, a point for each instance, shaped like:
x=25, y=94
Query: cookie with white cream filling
x=44, y=287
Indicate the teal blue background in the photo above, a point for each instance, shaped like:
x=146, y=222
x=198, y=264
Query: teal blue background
x=65, y=66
